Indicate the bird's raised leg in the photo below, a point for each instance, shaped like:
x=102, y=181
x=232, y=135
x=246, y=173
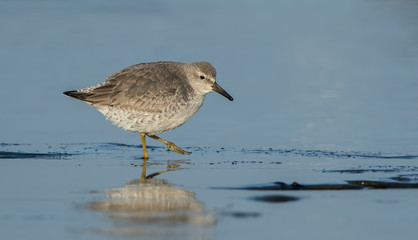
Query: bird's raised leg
x=170, y=145
x=144, y=146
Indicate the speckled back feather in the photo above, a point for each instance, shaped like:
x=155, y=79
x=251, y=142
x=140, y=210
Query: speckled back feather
x=142, y=86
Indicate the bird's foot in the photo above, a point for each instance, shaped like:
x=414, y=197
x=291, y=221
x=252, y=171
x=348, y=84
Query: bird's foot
x=176, y=149
x=170, y=145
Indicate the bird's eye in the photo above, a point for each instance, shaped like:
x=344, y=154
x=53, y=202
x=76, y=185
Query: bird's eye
x=202, y=77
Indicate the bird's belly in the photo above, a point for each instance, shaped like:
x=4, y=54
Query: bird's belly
x=152, y=123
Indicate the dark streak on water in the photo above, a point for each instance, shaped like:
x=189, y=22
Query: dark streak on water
x=240, y=214
x=352, y=185
x=23, y=155
x=275, y=198
x=406, y=178
x=384, y=185
x=331, y=154
x=384, y=169
x=280, y=186
x=87, y=148
x=12, y=144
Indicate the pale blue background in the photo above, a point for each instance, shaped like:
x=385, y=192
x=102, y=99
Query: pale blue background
x=304, y=74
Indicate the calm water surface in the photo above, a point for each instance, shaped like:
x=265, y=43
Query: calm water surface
x=325, y=92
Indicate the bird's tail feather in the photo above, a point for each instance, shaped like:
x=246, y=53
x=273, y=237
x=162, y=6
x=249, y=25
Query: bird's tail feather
x=77, y=95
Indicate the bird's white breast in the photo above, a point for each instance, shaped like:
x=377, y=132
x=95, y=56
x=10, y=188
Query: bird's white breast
x=176, y=113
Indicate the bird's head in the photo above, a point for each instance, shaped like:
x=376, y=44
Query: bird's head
x=202, y=77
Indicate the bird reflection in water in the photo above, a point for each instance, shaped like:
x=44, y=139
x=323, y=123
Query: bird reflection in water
x=149, y=207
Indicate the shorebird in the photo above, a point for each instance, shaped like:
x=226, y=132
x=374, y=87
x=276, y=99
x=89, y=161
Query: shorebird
x=151, y=98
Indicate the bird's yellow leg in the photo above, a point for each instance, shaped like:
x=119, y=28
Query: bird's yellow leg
x=170, y=145
x=144, y=146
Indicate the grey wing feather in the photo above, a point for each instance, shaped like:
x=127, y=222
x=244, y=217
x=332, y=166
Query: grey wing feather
x=143, y=87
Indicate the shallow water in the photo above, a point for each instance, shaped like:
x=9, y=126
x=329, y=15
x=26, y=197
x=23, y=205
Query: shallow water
x=91, y=191
x=320, y=141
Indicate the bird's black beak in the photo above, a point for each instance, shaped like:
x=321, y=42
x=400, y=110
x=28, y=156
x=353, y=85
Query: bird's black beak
x=221, y=91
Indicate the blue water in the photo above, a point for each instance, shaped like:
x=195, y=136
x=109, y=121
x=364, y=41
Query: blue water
x=334, y=77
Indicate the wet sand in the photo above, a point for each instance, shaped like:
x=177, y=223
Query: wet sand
x=104, y=190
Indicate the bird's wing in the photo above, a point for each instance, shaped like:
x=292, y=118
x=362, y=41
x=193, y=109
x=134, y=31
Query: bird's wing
x=144, y=87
